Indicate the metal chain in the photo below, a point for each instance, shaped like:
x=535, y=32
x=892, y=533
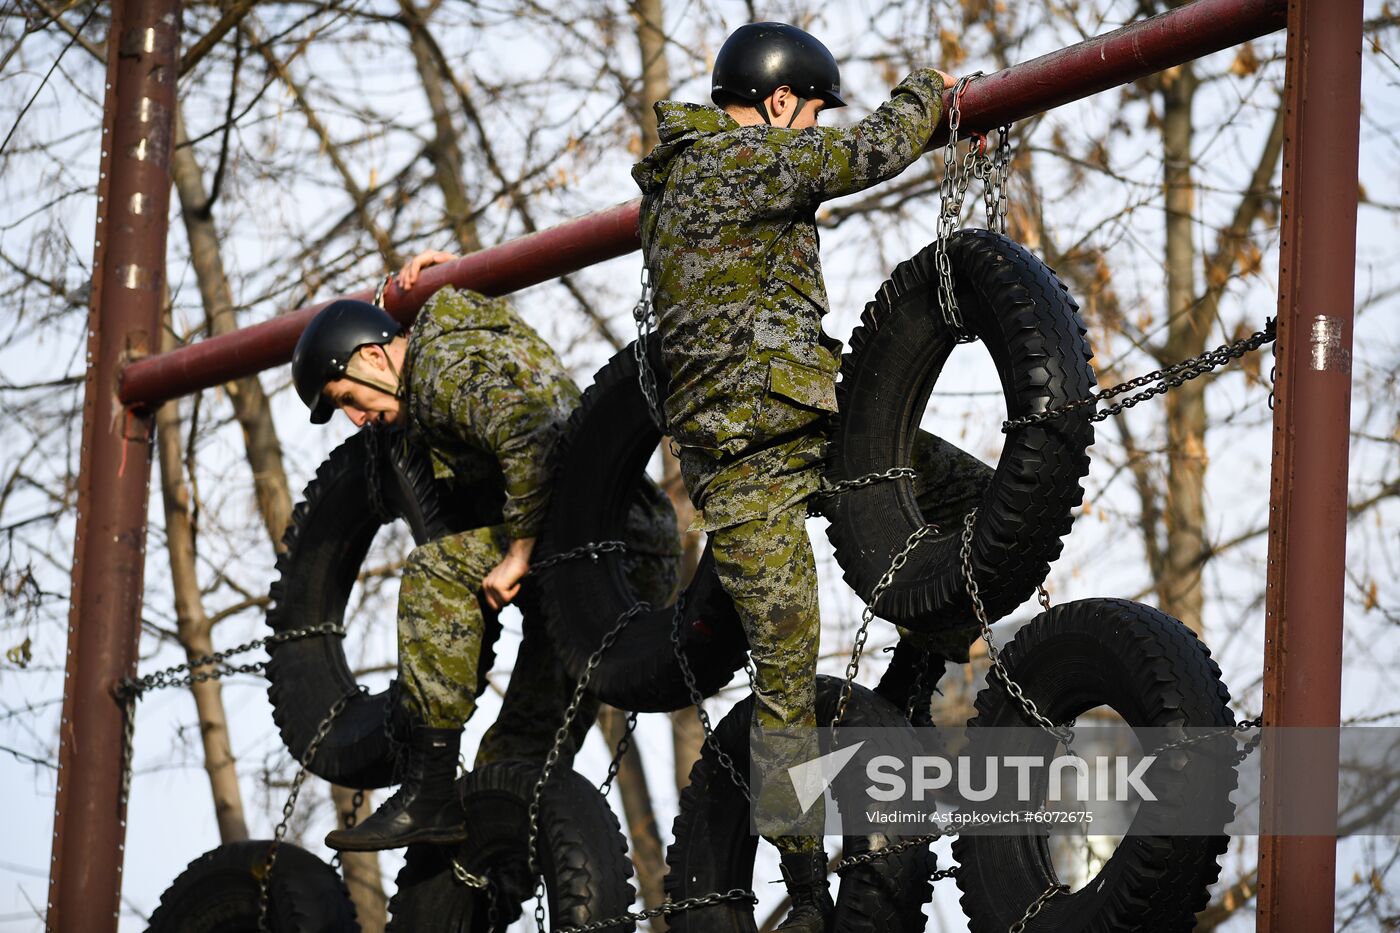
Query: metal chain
x=133, y=688
x=1036, y=906
x=560, y=737
x=644, y=313
x=280, y=833
x=868, y=615
x=867, y=479
x=1165, y=380
x=879, y=855
x=664, y=910
x=590, y=550
x=995, y=171
x=1243, y=726
x=623, y=744
x=952, y=191
x=1063, y=733
x=697, y=699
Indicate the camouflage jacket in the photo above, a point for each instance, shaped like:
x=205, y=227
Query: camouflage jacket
x=729, y=233
x=489, y=397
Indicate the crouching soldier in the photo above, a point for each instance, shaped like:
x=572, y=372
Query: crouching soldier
x=488, y=397
x=730, y=240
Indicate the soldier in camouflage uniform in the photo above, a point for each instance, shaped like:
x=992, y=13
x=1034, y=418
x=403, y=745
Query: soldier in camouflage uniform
x=488, y=398
x=730, y=239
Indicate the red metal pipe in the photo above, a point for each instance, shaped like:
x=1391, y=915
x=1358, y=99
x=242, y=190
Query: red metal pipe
x=104, y=620
x=1308, y=496
x=1018, y=92
x=509, y=267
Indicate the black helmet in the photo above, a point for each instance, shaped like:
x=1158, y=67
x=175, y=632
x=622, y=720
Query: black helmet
x=759, y=58
x=332, y=337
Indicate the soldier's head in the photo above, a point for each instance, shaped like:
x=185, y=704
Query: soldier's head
x=351, y=357
x=776, y=73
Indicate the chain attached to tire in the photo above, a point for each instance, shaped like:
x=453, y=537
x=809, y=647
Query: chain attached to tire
x=1036, y=906
x=280, y=832
x=644, y=313
x=828, y=490
x=957, y=174
x=867, y=616
x=623, y=744
x=1159, y=381
x=670, y=908
x=1060, y=733
x=591, y=550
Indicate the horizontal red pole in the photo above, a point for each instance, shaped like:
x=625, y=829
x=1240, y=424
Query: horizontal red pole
x=517, y=264
x=1021, y=91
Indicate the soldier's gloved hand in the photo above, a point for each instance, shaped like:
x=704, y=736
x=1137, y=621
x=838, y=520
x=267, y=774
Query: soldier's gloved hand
x=502, y=584
x=408, y=275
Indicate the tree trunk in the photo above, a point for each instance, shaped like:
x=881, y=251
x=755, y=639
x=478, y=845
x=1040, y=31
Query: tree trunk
x=193, y=624
x=261, y=447
x=1179, y=586
x=443, y=150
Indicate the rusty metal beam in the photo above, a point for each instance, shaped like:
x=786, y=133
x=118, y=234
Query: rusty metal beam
x=1016, y=93
x=1308, y=496
x=104, y=618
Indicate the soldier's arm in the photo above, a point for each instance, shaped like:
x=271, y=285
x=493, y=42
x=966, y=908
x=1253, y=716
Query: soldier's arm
x=826, y=162
x=520, y=431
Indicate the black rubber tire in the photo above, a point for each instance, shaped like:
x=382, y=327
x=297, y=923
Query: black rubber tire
x=1154, y=672
x=325, y=545
x=1027, y=321
x=714, y=848
x=582, y=853
x=218, y=893
x=602, y=456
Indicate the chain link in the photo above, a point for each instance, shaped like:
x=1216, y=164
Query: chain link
x=133, y=688
x=591, y=550
x=1165, y=380
x=560, y=737
x=623, y=744
x=664, y=910
x=867, y=479
x=952, y=191
x=1063, y=733
x=868, y=615
x=697, y=699
x=1243, y=726
x=1036, y=906
x=644, y=314
x=280, y=833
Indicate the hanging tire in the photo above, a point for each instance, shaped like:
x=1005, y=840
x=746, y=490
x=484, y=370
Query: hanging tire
x=1154, y=672
x=714, y=847
x=1029, y=324
x=582, y=854
x=602, y=457
x=325, y=545
x=218, y=893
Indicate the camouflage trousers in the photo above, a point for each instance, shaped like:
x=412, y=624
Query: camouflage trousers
x=442, y=623
x=767, y=567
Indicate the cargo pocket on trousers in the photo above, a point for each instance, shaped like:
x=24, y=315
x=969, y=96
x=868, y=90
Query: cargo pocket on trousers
x=798, y=395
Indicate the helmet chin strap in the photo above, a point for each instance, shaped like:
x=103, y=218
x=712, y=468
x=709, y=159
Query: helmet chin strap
x=763, y=111
x=357, y=372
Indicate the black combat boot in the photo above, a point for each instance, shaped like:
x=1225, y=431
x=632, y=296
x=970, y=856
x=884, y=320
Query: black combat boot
x=425, y=808
x=804, y=873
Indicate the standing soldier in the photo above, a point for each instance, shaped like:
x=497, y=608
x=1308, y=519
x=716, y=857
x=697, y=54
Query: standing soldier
x=730, y=240
x=488, y=397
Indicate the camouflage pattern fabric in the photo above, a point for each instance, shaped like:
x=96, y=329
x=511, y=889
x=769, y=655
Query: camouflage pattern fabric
x=766, y=567
x=489, y=398
x=730, y=237
x=729, y=233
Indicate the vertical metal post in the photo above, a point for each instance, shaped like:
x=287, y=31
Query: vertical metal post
x=1308, y=498
x=104, y=622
